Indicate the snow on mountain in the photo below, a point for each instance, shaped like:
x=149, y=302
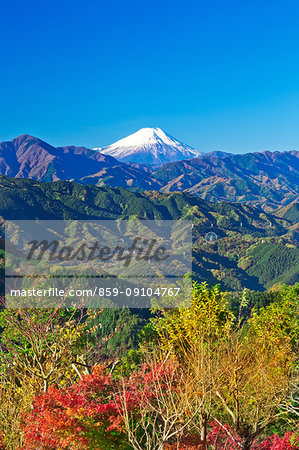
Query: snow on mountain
x=149, y=146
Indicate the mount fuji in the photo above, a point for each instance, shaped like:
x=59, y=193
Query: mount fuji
x=149, y=146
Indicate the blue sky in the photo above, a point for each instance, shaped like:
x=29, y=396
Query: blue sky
x=218, y=75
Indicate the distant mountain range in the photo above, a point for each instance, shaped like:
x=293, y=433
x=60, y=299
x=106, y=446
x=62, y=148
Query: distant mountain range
x=30, y=157
x=267, y=180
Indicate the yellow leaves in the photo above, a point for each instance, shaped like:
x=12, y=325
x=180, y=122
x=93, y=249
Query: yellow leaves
x=241, y=370
x=276, y=324
x=208, y=318
x=97, y=424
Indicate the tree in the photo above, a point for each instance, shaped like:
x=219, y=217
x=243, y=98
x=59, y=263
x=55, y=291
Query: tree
x=42, y=345
x=257, y=367
x=41, y=348
x=14, y=401
x=222, y=437
x=240, y=373
x=153, y=405
x=194, y=336
x=82, y=416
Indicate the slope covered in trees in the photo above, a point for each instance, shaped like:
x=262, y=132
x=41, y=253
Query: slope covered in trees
x=254, y=249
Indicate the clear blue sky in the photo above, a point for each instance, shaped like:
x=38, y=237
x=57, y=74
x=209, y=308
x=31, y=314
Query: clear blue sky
x=218, y=75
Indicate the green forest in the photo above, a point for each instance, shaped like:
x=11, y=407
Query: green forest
x=254, y=249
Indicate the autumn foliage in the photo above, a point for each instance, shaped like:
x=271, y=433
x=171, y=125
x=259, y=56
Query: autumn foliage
x=91, y=413
x=76, y=416
x=223, y=438
x=200, y=379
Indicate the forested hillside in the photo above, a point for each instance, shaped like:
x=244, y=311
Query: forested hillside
x=254, y=249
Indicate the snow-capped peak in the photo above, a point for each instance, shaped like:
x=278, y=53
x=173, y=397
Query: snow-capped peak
x=150, y=146
x=145, y=136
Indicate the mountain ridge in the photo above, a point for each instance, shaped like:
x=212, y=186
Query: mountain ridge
x=29, y=157
x=267, y=179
